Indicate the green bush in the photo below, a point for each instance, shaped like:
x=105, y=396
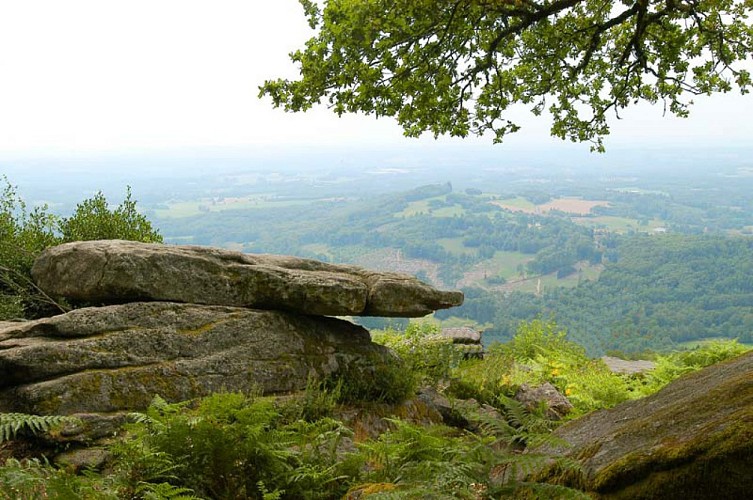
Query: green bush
x=32, y=479
x=373, y=379
x=236, y=446
x=428, y=356
x=673, y=365
x=94, y=220
x=25, y=233
x=538, y=353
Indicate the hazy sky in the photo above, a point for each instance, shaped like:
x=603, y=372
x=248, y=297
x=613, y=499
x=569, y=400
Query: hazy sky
x=79, y=76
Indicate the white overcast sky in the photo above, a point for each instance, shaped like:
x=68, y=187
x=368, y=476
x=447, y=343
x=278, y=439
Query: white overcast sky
x=79, y=76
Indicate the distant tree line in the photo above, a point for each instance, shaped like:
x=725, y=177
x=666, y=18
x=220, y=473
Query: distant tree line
x=664, y=289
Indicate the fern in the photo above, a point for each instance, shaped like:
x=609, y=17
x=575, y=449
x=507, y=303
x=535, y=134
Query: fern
x=13, y=423
x=164, y=491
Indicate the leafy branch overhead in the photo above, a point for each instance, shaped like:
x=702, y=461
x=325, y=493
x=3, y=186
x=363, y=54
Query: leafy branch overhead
x=456, y=66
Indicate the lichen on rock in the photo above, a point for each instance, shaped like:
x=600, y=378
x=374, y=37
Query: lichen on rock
x=118, y=357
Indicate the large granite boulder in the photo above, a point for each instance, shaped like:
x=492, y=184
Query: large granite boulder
x=692, y=439
x=114, y=271
x=118, y=357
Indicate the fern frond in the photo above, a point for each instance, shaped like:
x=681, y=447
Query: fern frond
x=13, y=423
x=164, y=491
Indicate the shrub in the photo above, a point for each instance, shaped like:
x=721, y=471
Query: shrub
x=94, y=220
x=373, y=379
x=236, y=446
x=25, y=233
x=671, y=366
x=424, y=352
x=540, y=352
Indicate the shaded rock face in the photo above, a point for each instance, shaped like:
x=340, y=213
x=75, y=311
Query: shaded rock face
x=692, y=439
x=118, y=357
x=113, y=271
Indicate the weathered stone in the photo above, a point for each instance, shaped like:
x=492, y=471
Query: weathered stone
x=118, y=357
x=462, y=335
x=90, y=427
x=557, y=405
x=83, y=459
x=113, y=271
x=692, y=439
x=617, y=365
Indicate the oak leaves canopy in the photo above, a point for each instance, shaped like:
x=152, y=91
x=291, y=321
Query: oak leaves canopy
x=456, y=66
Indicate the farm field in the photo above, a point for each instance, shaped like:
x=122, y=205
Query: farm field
x=577, y=206
x=518, y=204
x=425, y=207
x=619, y=225
x=455, y=246
x=548, y=281
x=177, y=209
x=572, y=205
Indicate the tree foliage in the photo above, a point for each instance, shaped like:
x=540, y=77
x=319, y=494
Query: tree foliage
x=457, y=66
x=94, y=220
x=25, y=233
x=662, y=290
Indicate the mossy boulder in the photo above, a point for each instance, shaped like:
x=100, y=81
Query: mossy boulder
x=119, y=357
x=114, y=272
x=693, y=439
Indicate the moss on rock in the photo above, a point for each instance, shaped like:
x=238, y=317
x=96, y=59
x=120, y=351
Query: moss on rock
x=692, y=439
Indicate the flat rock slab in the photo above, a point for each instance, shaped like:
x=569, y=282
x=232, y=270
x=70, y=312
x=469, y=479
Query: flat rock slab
x=114, y=358
x=692, y=439
x=461, y=335
x=115, y=272
x=617, y=365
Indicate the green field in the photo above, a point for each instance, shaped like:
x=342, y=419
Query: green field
x=508, y=264
x=455, y=210
x=177, y=209
x=549, y=281
x=619, y=224
x=455, y=246
x=519, y=203
x=424, y=207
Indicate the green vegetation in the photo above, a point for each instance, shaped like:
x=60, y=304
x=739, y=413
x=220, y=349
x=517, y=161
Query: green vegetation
x=11, y=424
x=492, y=253
x=177, y=209
x=662, y=290
x=456, y=68
x=621, y=225
x=232, y=445
x=25, y=232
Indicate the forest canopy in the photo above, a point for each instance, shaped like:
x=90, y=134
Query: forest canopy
x=457, y=66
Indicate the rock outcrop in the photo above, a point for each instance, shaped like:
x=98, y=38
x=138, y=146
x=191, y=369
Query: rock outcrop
x=118, y=357
x=465, y=340
x=183, y=322
x=624, y=366
x=113, y=271
x=692, y=439
x=557, y=405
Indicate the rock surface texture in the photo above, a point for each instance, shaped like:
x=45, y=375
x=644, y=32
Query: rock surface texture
x=692, y=439
x=184, y=322
x=118, y=357
x=113, y=271
x=557, y=405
